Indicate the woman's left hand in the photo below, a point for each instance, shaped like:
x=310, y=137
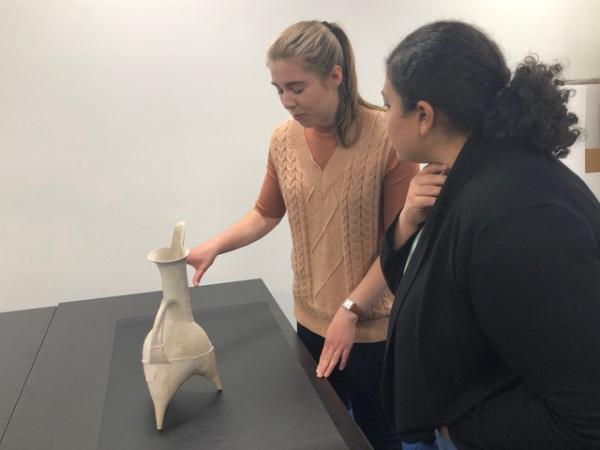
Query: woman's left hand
x=338, y=342
x=445, y=433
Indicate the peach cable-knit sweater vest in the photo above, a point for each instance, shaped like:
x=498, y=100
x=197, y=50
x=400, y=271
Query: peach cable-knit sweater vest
x=335, y=216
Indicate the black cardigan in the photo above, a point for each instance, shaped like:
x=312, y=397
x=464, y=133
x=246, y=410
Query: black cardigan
x=495, y=327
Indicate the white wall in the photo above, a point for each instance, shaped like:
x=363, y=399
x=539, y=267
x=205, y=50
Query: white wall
x=586, y=104
x=120, y=117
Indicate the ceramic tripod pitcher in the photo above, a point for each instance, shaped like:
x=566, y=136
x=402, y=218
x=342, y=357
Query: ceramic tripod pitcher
x=177, y=347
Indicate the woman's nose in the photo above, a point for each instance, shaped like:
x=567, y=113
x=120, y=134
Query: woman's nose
x=287, y=101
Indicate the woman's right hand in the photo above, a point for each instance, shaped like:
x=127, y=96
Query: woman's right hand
x=422, y=193
x=201, y=258
x=251, y=228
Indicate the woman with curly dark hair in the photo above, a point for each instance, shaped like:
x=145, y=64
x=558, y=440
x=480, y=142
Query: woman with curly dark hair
x=494, y=336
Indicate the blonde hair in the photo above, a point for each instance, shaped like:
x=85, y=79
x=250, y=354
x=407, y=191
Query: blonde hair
x=320, y=46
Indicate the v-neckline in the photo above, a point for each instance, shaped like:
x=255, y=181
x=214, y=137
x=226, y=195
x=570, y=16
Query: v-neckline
x=310, y=153
x=469, y=161
x=320, y=178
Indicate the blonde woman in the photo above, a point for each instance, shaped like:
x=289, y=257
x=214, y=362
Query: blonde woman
x=332, y=168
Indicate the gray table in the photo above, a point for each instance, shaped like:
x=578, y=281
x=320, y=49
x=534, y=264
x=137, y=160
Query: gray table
x=62, y=397
x=21, y=335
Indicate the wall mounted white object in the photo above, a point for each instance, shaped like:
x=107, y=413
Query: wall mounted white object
x=177, y=347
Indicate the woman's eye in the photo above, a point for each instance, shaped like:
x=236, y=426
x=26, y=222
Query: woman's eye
x=297, y=91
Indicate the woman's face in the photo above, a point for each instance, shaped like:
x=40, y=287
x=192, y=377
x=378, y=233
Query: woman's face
x=310, y=98
x=403, y=127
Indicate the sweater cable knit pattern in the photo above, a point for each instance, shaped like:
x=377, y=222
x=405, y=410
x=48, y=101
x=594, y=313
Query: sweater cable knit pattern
x=335, y=216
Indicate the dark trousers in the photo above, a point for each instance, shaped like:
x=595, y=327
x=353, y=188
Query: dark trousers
x=358, y=386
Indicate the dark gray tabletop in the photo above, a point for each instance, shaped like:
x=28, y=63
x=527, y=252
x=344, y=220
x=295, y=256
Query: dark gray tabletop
x=62, y=404
x=21, y=334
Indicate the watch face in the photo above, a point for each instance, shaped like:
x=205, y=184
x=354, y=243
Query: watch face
x=352, y=307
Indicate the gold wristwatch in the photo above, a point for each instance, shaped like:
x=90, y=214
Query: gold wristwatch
x=349, y=305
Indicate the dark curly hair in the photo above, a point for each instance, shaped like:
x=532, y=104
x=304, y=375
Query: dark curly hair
x=460, y=71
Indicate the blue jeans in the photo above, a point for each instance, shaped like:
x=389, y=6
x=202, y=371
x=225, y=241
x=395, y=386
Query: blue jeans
x=441, y=443
x=418, y=446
